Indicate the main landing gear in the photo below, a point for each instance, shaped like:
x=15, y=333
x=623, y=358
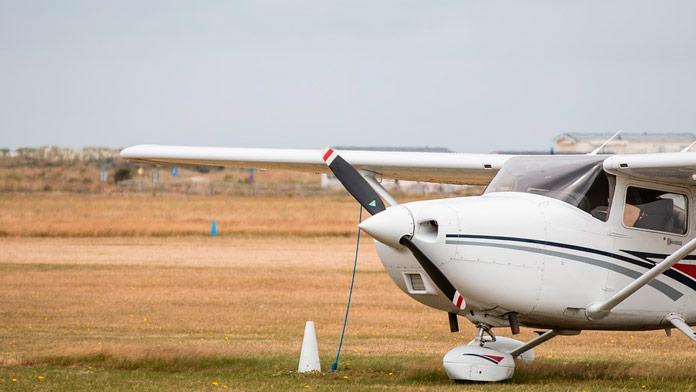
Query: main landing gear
x=491, y=358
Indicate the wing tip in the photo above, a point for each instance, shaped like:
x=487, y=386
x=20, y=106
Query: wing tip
x=127, y=152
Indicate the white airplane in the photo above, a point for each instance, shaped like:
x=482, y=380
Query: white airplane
x=559, y=243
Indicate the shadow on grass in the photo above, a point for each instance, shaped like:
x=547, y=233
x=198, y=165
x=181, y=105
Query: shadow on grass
x=166, y=363
x=545, y=372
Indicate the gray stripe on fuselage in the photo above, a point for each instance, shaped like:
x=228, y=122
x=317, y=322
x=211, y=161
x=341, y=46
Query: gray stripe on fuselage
x=662, y=287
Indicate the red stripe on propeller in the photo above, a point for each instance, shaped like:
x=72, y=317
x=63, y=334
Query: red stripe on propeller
x=328, y=154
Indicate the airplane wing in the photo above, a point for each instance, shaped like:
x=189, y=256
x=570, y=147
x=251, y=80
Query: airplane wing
x=453, y=168
x=673, y=167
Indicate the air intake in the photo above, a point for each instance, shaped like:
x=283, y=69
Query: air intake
x=416, y=282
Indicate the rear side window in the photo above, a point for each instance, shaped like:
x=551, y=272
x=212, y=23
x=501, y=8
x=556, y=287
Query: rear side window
x=655, y=210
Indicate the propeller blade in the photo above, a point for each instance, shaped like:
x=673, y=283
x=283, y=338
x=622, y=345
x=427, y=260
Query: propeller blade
x=354, y=182
x=434, y=273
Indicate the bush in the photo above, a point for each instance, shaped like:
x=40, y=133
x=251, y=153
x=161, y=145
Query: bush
x=123, y=173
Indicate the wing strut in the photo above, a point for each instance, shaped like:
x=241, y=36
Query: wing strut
x=598, y=311
x=546, y=336
x=682, y=326
x=377, y=186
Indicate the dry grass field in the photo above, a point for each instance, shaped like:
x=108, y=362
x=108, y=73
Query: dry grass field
x=130, y=293
x=40, y=215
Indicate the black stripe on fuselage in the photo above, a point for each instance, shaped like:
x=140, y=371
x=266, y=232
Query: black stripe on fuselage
x=647, y=255
x=657, y=284
x=676, y=275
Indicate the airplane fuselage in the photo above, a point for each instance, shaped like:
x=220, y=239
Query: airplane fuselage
x=543, y=259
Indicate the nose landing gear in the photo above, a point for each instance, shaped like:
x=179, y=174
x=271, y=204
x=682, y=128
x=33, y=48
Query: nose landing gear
x=491, y=358
x=476, y=362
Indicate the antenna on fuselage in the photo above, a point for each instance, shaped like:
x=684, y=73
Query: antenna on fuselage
x=687, y=148
x=598, y=149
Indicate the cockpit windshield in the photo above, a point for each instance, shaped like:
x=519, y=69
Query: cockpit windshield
x=577, y=180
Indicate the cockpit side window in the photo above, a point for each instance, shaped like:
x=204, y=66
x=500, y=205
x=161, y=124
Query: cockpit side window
x=599, y=196
x=655, y=210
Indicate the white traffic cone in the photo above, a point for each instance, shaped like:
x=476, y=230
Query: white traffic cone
x=309, y=356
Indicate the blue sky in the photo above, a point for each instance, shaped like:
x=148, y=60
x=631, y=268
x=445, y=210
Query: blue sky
x=471, y=76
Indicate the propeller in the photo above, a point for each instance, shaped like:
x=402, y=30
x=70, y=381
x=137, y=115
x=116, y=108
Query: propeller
x=384, y=224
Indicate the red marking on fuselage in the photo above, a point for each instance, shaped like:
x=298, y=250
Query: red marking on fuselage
x=688, y=269
x=494, y=357
x=328, y=154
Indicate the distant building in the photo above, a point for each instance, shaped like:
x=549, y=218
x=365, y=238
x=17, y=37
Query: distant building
x=625, y=143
